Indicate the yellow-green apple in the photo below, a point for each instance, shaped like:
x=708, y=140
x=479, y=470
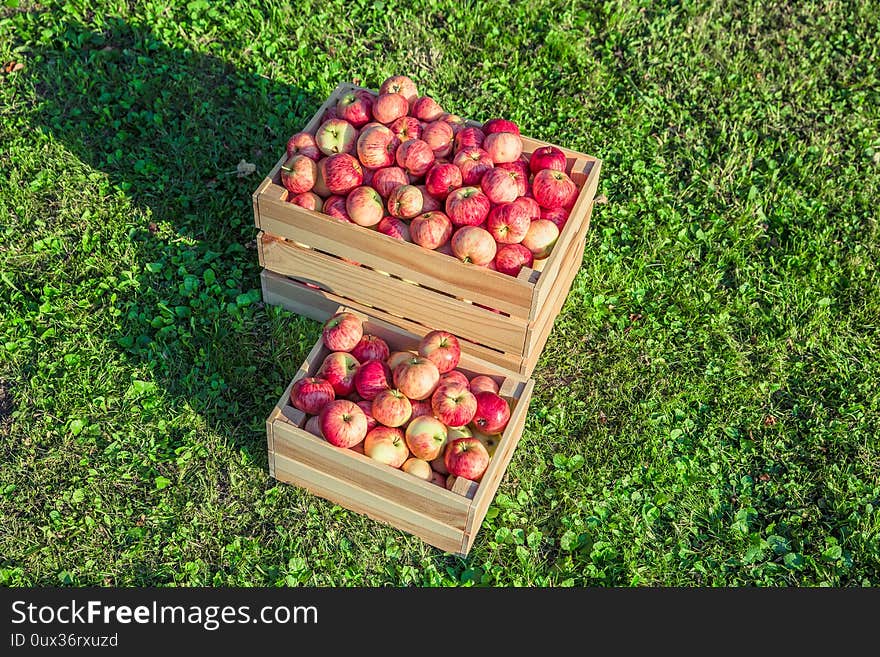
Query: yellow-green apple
x=372, y=378
x=335, y=207
x=454, y=120
x=441, y=348
x=541, y=238
x=397, y=357
x=442, y=179
x=508, y=223
x=529, y=206
x=400, y=84
x=313, y=426
x=439, y=136
x=426, y=437
x=303, y=143
x=453, y=376
x=500, y=125
x=418, y=468
x=376, y=146
x=429, y=203
x=458, y=432
x=490, y=441
x=338, y=368
x=390, y=107
x=355, y=108
x=367, y=407
x=466, y=457
x=558, y=216
x=554, y=189
x=308, y=200
x=310, y=394
x=336, y=136
x=483, y=382
x=503, y=146
x=430, y=229
x=439, y=465
x=453, y=404
x=493, y=412
x=342, y=332
x=421, y=407
x=388, y=179
x=469, y=138
x=391, y=408
x=343, y=423
x=386, y=445
x=426, y=109
x=365, y=206
x=405, y=202
x=438, y=479
x=416, y=377
x=547, y=157
x=298, y=174
x=474, y=162
x=341, y=172
x=415, y=157
x=406, y=128
x=467, y=206
x=474, y=245
x=370, y=347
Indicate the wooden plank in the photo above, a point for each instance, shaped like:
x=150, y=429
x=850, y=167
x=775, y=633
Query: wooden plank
x=363, y=472
x=429, y=268
x=394, y=296
x=270, y=446
x=366, y=502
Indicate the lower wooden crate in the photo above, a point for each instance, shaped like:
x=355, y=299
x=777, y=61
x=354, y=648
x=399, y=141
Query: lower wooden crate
x=448, y=520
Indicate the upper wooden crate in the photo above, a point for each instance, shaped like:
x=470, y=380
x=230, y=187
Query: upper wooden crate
x=509, y=317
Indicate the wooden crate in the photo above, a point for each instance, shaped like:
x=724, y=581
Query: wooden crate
x=370, y=271
x=448, y=520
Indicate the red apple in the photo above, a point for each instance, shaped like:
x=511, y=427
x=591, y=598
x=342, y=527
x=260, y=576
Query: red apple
x=394, y=227
x=400, y=84
x=364, y=206
x=343, y=423
x=310, y=394
x=439, y=466
x=429, y=203
x=500, y=186
x=503, y=146
x=313, y=425
x=426, y=109
x=370, y=347
x=493, y=412
x=367, y=407
x=474, y=163
x=522, y=168
x=438, y=136
x=453, y=404
x=391, y=408
x=359, y=448
x=406, y=128
x=386, y=445
x=454, y=120
x=355, y=108
x=415, y=157
x=298, y=174
x=541, y=238
x=376, y=146
x=371, y=378
x=453, y=376
x=336, y=136
x=467, y=206
x=388, y=179
x=530, y=207
x=339, y=368
x=329, y=114
x=430, y=229
x=473, y=244
x=320, y=187
x=558, y=216
x=466, y=457
x=547, y=157
x=303, y=143
x=416, y=377
x=426, y=437
x=397, y=357
x=442, y=179
x=483, y=382
x=390, y=107
x=508, y=223
x=554, y=189
x=469, y=138
x=421, y=407
x=341, y=172
x=342, y=332
x=335, y=207
x=511, y=258
x=308, y=200
x=442, y=349
x=418, y=468
x=405, y=202
x=500, y=125
x=436, y=478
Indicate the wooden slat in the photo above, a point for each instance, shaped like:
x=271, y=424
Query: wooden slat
x=390, y=511
x=319, y=305
x=394, y=296
x=429, y=268
x=362, y=471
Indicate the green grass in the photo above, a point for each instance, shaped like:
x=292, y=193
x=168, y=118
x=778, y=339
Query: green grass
x=706, y=409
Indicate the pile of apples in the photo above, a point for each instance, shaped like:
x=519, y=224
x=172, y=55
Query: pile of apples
x=413, y=411
x=397, y=163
